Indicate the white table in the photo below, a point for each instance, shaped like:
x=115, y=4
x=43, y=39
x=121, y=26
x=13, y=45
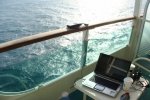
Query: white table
x=134, y=93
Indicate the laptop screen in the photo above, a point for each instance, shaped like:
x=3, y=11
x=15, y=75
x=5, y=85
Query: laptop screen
x=112, y=67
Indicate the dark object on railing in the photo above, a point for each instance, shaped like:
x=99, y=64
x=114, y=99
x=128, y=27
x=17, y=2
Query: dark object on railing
x=75, y=26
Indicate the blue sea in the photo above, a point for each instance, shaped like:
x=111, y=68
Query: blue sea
x=28, y=66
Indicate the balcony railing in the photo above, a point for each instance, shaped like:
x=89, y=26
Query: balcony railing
x=58, y=60
x=10, y=45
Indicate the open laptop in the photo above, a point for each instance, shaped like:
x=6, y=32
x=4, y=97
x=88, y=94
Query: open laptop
x=108, y=75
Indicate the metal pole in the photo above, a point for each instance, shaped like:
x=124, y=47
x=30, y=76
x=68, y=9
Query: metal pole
x=84, y=46
x=137, y=8
x=136, y=30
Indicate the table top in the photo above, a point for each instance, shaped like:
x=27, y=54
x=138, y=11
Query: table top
x=135, y=93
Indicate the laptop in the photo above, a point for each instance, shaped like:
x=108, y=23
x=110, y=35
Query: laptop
x=108, y=75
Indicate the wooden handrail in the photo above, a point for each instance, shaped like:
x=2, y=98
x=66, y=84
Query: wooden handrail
x=52, y=34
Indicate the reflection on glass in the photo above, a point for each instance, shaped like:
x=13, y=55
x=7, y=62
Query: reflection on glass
x=144, y=45
x=148, y=13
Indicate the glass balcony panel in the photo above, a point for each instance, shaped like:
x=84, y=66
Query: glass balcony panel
x=38, y=63
x=148, y=13
x=144, y=45
x=108, y=39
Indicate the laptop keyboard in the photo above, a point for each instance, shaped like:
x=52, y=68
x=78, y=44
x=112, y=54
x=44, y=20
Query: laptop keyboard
x=104, y=82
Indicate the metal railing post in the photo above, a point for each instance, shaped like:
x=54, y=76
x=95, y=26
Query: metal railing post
x=135, y=30
x=84, y=46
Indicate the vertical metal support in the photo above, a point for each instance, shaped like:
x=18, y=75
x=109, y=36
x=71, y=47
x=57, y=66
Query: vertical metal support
x=136, y=30
x=137, y=8
x=84, y=46
x=142, y=25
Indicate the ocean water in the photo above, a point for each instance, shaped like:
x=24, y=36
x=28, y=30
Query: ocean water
x=27, y=17
x=41, y=62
